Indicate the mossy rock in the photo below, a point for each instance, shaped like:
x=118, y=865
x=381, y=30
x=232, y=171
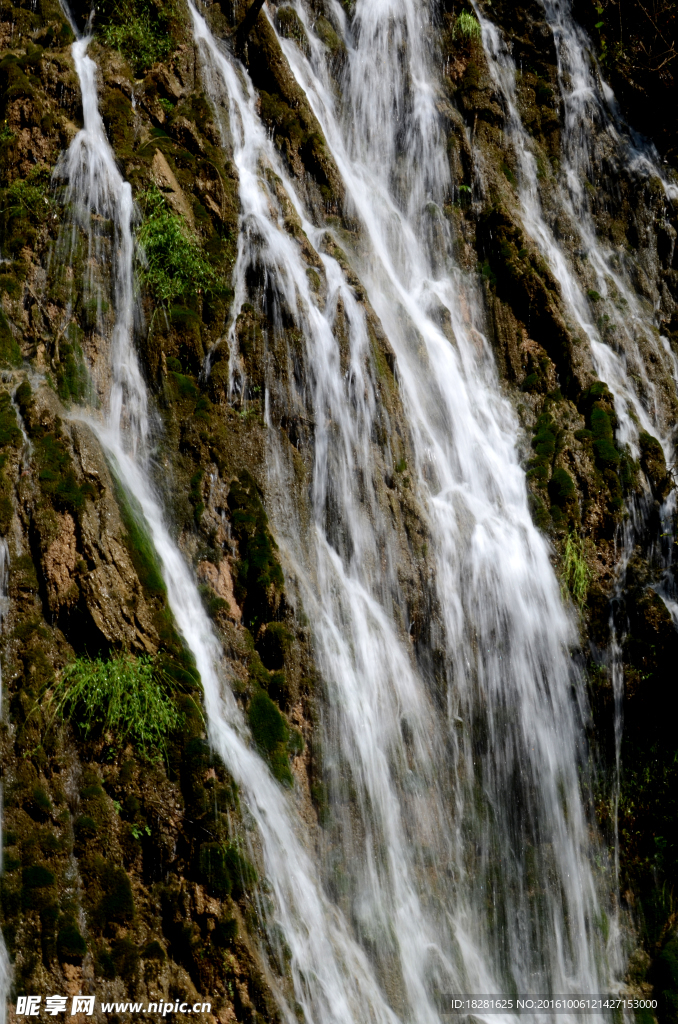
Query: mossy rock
x=274, y=645
x=226, y=871
x=125, y=957
x=544, y=445
x=288, y=25
x=267, y=724
x=225, y=932
x=562, y=490
x=38, y=887
x=10, y=353
x=71, y=946
x=116, y=905
x=259, y=579
x=332, y=40
x=653, y=463
x=271, y=734
x=665, y=978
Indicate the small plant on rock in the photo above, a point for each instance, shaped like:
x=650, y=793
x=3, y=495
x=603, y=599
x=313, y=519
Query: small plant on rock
x=139, y=29
x=126, y=696
x=174, y=267
x=467, y=26
x=576, y=573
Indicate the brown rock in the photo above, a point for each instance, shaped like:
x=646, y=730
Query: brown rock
x=221, y=582
x=114, y=596
x=185, y=132
x=165, y=178
x=59, y=562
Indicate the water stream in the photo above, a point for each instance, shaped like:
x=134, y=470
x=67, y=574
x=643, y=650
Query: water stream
x=441, y=869
x=459, y=855
x=596, y=279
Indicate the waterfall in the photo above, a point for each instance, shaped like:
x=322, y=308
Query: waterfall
x=333, y=977
x=638, y=407
x=461, y=825
x=460, y=849
x=95, y=196
x=619, y=323
x=633, y=328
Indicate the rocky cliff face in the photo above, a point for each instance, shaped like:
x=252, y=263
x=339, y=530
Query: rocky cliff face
x=124, y=870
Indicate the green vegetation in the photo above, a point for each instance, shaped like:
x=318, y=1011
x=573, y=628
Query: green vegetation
x=271, y=734
x=10, y=436
x=268, y=725
x=603, y=438
x=225, y=932
x=653, y=463
x=616, y=468
x=666, y=979
x=326, y=31
x=544, y=445
x=576, y=573
x=10, y=353
x=562, y=491
x=71, y=373
x=175, y=268
x=466, y=26
x=274, y=645
x=289, y=25
x=71, y=946
x=25, y=205
x=510, y=177
x=227, y=872
x=258, y=576
x=116, y=905
x=56, y=474
x=140, y=29
x=125, y=696
x=139, y=544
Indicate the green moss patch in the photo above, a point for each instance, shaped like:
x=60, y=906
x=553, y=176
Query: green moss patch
x=139, y=544
x=258, y=575
x=10, y=438
x=226, y=871
x=271, y=734
x=10, y=353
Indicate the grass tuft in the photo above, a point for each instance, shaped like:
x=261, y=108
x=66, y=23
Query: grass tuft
x=467, y=26
x=576, y=573
x=125, y=696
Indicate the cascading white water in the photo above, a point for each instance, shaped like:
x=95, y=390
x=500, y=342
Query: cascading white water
x=465, y=857
x=333, y=978
x=587, y=101
x=95, y=195
x=619, y=323
x=632, y=325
